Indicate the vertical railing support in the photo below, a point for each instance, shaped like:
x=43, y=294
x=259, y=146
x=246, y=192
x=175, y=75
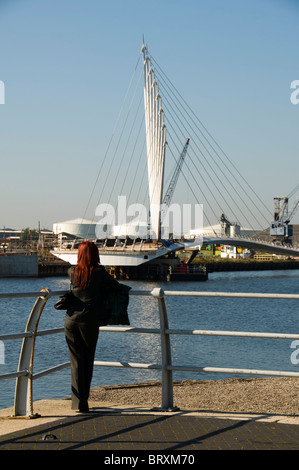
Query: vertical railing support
x=23, y=406
x=167, y=382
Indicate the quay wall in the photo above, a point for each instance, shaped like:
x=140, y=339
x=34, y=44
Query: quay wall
x=19, y=265
x=252, y=265
x=22, y=265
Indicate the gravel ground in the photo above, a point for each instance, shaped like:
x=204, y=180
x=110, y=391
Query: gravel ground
x=271, y=398
x=241, y=395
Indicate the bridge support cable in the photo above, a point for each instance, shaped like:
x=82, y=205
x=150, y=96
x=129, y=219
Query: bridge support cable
x=186, y=108
x=221, y=184
x=213, y=184
x=105, y=156
x=122, y=161
x=110, y=175
x=190, y=112
x=208, y=188
x=209, y=159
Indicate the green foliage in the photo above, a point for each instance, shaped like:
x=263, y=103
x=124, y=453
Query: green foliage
x=29, y=234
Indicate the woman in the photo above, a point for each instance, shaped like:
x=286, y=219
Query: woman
x=90, y=281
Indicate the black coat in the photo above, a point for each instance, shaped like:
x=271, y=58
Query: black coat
x=104, y=301
x=89, y=305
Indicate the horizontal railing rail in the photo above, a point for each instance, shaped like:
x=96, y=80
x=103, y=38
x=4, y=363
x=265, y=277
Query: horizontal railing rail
x=25, y=376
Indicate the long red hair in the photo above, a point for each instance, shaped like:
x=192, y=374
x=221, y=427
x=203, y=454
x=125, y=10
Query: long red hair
x=88, y=260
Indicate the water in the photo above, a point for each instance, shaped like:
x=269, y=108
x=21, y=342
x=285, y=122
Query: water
x=184, y=313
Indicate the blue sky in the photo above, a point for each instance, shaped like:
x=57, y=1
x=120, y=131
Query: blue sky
x=66, y=66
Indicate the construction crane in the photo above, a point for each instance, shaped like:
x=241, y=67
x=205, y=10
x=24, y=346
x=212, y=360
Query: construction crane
x=280, y=226
x=170, y=190
x=225, y=224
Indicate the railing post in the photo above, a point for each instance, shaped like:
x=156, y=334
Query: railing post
x=23, y=405
x=167, y=382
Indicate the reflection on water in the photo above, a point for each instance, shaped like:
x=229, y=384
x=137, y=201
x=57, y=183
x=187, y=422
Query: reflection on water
x=184, y=313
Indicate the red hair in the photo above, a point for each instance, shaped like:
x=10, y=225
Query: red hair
x=88, y=260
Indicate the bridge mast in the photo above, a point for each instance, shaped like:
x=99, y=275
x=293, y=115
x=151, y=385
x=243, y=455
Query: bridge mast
x=155, y=141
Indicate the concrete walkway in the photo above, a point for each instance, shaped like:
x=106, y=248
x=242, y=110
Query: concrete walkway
x=123, y=429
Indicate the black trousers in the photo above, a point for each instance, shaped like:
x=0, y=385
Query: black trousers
x=81, y=339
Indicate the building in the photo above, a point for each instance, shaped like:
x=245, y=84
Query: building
x=10, y=234
x=218, y=231
x=75, y=228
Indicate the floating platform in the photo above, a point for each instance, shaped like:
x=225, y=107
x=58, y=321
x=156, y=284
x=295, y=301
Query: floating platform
x=199, y=277
x=52, y=269
x=160, y=272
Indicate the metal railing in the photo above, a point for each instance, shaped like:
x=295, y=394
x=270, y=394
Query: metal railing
x=23, y=401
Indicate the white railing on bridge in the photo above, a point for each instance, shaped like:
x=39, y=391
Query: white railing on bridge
x=23, y=401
